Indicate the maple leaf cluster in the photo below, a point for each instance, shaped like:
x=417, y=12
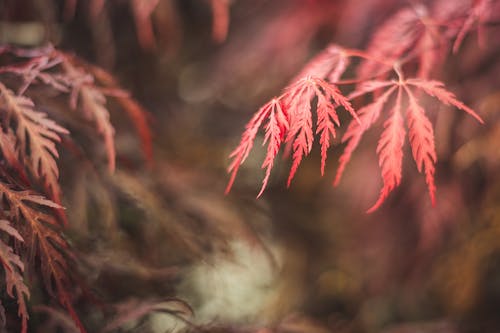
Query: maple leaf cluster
x=32, y=218
x=395, y=68
x=394, y=85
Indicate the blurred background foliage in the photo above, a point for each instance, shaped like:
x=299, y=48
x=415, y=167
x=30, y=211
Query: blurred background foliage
x=304, y=259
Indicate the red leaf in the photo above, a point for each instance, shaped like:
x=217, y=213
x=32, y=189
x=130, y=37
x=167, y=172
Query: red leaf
x=369, y=86
x=276, y=128
x=390, y=151
x=421, y=137
x=436, y=89
x=327, y=116
x=290, y=121
x=327, y=119
x=421, y=133
x=329, y=64
x=301, y=133
x=368, y=115
x=241, y=152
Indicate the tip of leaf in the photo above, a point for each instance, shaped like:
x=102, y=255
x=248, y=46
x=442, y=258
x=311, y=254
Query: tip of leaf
x=380, y=201
x=228, y=188
x=336, y=181
x=372, y=209
x=433, y=199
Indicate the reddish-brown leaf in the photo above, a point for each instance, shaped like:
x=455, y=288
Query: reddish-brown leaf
x=43, y=239
x=14, y=267
x=91, y=101
x=93, y=105
x=139, y=117
x=36, y=138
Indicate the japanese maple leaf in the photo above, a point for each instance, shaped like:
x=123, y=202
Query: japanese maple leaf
x=410, y=33
x=289, y=116
x=42, y=238
x=88, y=98
x=390, y=145
x=36, y=137
x=290, y=120
x=14, y=268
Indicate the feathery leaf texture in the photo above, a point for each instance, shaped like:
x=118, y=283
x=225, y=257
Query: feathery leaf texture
x=38, y=70
x=92, y=104
x=421, y=135
x=389, y=148
x=289, y=120
x=411, y=33
x=368, y=115
x=275, y=130
x=436, y=89
x=240, y=154
x=390, y=151
x=43, y=239
x=290, y=116
x=14, y=268
x=301, y=134
x=28, y=146
x=36, y=137
x=136, y=113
